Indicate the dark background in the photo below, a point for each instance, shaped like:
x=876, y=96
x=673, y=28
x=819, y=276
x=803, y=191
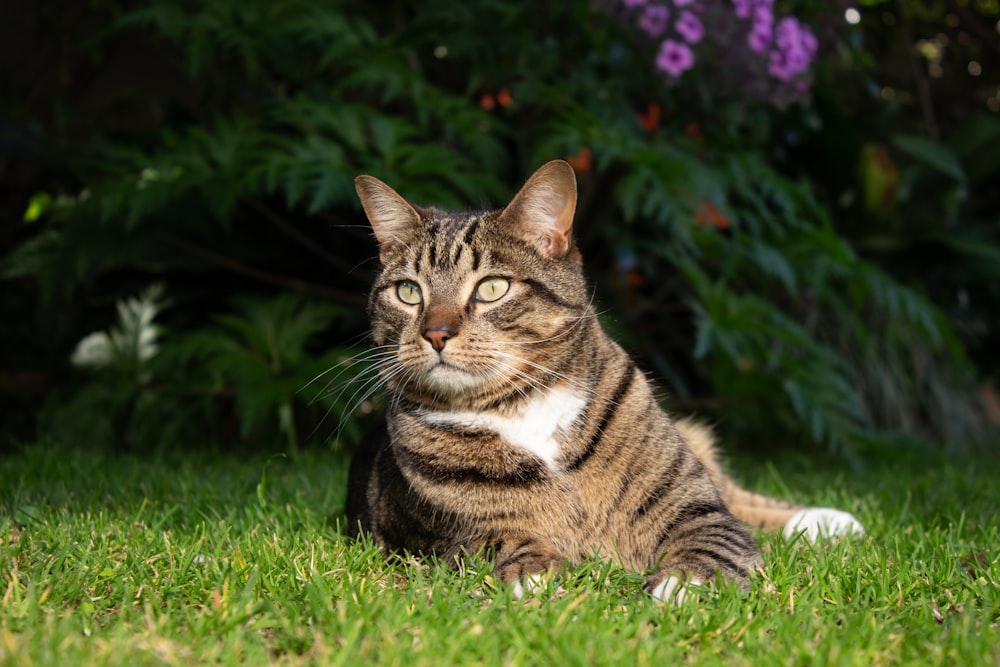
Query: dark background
x=817, y=270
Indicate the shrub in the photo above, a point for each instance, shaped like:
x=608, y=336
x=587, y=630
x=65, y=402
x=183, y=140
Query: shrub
x=223, y=171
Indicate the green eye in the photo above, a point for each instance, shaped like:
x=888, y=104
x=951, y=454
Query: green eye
x=491, y=289
x=409, y=292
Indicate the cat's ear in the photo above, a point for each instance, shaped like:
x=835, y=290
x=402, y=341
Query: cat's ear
x=542, y=211
x=394, y=220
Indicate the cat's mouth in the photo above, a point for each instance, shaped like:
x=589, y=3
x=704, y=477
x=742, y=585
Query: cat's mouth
x=443, y=368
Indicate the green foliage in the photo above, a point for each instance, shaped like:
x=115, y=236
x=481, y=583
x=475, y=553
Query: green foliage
x=242, y=377
x=261, y=354
x=224, y=172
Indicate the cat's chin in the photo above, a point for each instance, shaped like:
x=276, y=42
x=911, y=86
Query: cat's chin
x=446, y=379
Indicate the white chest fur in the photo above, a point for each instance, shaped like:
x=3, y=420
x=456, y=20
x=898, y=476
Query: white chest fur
x=537, y=427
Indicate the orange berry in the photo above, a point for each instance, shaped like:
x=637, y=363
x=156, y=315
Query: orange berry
x=582, y=161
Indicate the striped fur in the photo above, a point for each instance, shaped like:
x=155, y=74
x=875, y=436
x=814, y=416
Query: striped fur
x=515, y=424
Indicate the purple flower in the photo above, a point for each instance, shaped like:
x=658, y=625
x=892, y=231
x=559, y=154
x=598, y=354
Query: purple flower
x=689, y=27
x=763, y=15
x=787, y=65
x=809, y=41
x=767, y=54
x=762, y=30
x=654, y=20
x=674, y=57
x=795, y=45
x=786, y=33
x=778, y=66
x=759, y=39
x=791, y=34
x=798, y=60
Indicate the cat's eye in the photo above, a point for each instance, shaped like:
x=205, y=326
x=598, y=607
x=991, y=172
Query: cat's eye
x=491, y=289
x=409, y=292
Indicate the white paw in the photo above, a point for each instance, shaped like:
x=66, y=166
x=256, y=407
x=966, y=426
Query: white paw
x=533, y=585
x=820, y=522
x=673, y=590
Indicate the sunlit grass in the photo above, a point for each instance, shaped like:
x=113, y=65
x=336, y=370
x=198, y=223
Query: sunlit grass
x=197, y=558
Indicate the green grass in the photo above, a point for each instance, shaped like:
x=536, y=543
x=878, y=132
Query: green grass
x=226, y=559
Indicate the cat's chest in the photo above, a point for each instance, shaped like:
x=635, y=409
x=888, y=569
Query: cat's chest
x=539, y=426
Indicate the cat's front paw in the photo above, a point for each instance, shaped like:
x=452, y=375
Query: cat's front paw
x=673, y=590
x=823, y=522
x=532, y=584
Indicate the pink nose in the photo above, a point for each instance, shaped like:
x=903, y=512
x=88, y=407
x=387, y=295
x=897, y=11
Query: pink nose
x=438, y=337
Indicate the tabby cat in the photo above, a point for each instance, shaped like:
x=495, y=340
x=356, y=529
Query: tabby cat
x=517, y=427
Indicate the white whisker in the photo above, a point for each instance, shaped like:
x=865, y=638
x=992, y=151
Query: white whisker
x=349, y=362
x=573, y=382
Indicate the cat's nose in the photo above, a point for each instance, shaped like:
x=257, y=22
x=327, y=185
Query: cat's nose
x=441, y=324
x=438, y=337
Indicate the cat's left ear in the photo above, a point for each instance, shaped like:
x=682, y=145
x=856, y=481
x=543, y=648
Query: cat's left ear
x=394, y=220
x=542, y=211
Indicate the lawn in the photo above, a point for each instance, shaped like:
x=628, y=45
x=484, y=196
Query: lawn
x=121, y=559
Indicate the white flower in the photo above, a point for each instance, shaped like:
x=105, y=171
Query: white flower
x=132, y=342
x=93, y=350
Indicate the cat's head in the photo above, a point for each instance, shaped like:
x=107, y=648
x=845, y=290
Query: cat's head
x=473, y=307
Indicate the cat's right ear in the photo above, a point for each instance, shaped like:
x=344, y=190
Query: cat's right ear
x=394, y=220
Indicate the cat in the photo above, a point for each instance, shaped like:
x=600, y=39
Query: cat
x=516, y=427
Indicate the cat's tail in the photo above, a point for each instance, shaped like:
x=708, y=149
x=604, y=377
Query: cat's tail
x=758, y=510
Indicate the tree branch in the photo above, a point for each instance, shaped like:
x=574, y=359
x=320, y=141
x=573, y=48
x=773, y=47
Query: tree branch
x=294, y=284
x=289, y=230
